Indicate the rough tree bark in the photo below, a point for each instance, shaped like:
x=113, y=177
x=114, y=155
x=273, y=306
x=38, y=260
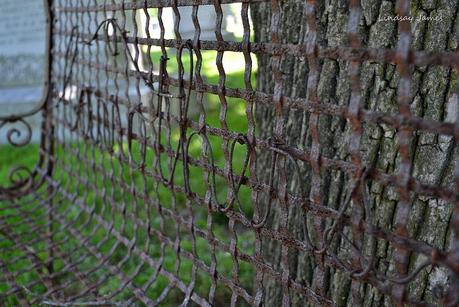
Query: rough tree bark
x=431, y=154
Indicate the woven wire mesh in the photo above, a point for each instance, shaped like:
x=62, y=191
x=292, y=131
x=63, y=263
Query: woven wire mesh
x=147, y=192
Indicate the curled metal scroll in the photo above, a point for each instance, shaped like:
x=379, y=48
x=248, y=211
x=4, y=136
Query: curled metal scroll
x=21, y=178
x=16, y=136
x=18, y=133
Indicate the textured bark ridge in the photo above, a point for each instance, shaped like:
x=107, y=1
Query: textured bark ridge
x=431, y=154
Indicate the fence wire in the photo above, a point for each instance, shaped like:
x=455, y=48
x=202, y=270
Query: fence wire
x=155, y=184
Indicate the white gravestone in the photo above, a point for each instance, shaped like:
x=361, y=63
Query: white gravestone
x=207, y=18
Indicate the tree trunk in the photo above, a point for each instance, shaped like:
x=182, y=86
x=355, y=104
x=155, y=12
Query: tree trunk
x=431, y=155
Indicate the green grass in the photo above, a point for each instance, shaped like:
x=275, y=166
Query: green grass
x=16, y=156
x=236, y=120
x=135, y=206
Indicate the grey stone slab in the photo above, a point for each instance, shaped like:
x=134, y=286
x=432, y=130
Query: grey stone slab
x=22, y=57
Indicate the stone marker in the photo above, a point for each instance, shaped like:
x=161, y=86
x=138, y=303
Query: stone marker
x=207, y=19
x=22, y=47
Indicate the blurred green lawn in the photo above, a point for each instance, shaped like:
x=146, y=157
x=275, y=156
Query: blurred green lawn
x=236, y=120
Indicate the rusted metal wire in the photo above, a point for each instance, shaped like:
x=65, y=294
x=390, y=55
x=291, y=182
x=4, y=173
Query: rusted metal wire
x=121, y=208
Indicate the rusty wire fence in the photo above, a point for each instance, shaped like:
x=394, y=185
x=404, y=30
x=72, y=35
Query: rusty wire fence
x=147, y=191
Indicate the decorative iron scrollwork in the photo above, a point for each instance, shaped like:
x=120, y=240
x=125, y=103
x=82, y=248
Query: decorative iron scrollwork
x=20, y=177
x=18, y=130
x=14, y=135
